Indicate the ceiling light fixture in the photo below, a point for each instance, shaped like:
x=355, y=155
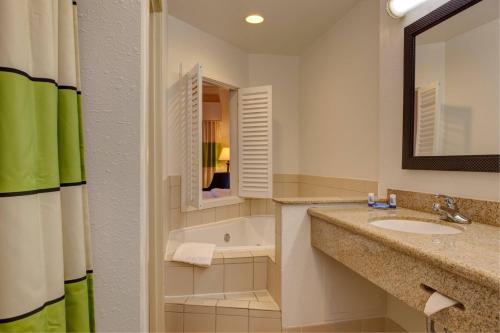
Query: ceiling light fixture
x=399, y=8
x=254, y=19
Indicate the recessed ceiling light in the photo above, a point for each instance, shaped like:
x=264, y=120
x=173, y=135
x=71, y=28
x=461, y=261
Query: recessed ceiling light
x=254, y=19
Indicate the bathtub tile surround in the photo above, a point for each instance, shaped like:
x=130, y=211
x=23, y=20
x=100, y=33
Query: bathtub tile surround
x=274, y=270
x=264, y=325
x=410, y=267
x=178, y=219
x=259, y=275
x=479, y=211
x=231, y=271
x=238, y=277
x=261, y=207
x=179, y=280
x=208, y=280
x=226, y=312
x=231, y=324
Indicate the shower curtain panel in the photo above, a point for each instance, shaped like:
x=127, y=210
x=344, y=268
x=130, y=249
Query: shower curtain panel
x=211, y=150
x=45, y=266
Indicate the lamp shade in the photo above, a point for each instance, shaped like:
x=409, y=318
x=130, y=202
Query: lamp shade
x=224, y=154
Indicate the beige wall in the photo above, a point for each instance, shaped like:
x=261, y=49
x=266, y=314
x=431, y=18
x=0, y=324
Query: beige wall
x=473, y=102
x=111, y=44
x=339, y=98
x=464, y=184
x=282, y=72
x=430, y=64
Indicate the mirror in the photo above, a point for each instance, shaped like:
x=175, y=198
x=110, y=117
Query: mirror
x=452, y=84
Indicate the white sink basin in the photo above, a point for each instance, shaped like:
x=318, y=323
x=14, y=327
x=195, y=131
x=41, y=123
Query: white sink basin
x=416, y=227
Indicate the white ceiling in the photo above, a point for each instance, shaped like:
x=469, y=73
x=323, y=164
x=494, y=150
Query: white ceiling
x=289, y=25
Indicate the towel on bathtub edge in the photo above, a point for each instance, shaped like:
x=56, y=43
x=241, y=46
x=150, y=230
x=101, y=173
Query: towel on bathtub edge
x=198, y=254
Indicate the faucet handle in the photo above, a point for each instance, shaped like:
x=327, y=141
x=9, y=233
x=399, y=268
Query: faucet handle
x=450, y=201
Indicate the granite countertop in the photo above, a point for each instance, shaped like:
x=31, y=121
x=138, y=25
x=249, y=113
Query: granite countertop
x=322, y=200
x=473, y=254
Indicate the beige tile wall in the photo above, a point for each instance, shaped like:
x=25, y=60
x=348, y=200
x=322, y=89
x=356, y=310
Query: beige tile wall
x=285, y=185
x=314, y=186
x=242, y=312
x=274, y=267
x=178, y=219
x=237, y=274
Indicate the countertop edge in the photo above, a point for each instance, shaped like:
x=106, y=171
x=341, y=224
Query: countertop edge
x=455, y=268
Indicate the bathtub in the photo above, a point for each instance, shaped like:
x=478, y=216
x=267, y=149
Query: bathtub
x=239, y=234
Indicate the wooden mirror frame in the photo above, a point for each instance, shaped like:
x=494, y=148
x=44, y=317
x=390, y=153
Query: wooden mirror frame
x=478, y=163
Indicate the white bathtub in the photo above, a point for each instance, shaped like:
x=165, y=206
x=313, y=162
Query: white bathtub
x=245, y=234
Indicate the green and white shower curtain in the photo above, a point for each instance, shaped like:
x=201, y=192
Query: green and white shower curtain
x=45, y=261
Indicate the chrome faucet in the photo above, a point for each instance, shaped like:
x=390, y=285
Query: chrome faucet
x=450, y=211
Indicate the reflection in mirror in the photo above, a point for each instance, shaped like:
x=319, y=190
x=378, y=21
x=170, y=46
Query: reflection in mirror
x=216, y=142
x=457, y=72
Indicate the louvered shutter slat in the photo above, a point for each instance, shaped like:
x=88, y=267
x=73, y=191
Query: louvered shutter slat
x=427, y=136
x=255, y=142
x=191, y=175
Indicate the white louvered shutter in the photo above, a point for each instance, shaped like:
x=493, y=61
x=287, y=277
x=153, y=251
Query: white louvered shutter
x=255, y=142
x=191, y=173
x=428, y=124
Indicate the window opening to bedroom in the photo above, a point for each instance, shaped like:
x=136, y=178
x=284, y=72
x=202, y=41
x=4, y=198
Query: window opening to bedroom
x=228, y=143
x=216, y=141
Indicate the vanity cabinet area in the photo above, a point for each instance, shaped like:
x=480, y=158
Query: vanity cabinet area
x=411, y=266
x=338, y=263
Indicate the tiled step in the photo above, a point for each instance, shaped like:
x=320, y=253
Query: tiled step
x=224, y=312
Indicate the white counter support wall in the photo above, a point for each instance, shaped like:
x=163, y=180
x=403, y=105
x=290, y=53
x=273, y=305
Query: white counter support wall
x=315, y=288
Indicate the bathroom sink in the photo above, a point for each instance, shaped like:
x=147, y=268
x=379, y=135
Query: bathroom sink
x=416, y=227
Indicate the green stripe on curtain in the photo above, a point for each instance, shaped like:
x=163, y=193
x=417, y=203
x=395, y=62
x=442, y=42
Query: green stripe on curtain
x=90, y=287
x=80, y=134
x=39, y=147
x=69, y=126
x=28, y=134
x=77, y=306
x=211, y=152
x=51, y=318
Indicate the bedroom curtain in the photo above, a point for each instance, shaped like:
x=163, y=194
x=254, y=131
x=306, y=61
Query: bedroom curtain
x=45, y=261
x=211, y=149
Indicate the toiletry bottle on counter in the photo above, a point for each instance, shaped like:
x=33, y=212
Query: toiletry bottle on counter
x=371, y=199
x=392, y=201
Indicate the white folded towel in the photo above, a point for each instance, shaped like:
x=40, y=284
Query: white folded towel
x=199, y=254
